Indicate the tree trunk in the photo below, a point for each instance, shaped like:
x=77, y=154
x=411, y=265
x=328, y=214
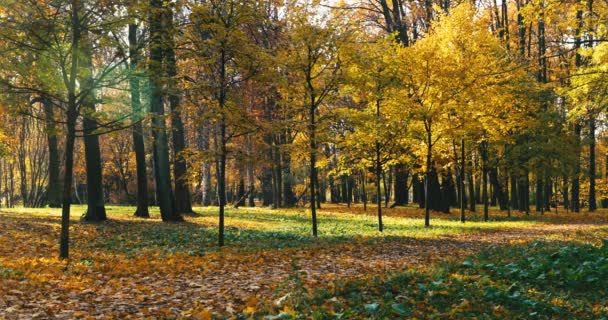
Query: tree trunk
x=500, y=194
x=289, y=198
x=592, y=200
x=183, y=201
x=539, y=192
x=427, y=199
x=142, y=210
x=96, y=210
x=313, y=164
x=54, y=185
x=378, y=192
x=222, y=179
x=401, y=175
x=462, y=187
x=72, y=115
x=164, y=191
x=484, y=179
x=575, y=201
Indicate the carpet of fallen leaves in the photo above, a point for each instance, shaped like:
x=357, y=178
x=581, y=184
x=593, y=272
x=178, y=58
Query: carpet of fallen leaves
x=142, y=280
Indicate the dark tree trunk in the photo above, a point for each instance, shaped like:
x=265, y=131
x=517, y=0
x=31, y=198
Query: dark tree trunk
x=524, y=195
x=313, y=165
x=222, y=178
x=514, y=192
x=137, y=130
x=250, y=175
x=71, y=115
x=540, y=203
x=418, y=191
x=378, y=177
x=343, y=189
x=484, y=179
x=592, y=200
x=183, y=201
x=575, y=201
x=548, y=193
x=461, y=183
x=429, y=154
x=267, y=195
x=278, y=174
x=401, y=192
x=96, y=210
x=289, y=198
x=240, y=192
x=501, y=195
x=437, y=200
x=447, y=193
x=164, y=191
x=566, y=193
x=472, y=194
x=54, y=185
x=449, y=186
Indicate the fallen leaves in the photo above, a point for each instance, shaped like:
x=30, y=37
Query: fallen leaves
x=115, y=273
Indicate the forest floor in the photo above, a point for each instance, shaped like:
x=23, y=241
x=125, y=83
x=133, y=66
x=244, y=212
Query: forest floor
x=133, y=268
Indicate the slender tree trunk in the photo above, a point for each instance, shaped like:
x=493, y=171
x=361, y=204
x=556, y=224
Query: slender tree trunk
x=592, y=200
x=54, y=185
x=64, y=243
x=484, y=179
x=313, y=164
x=472, y=195
x=429, y=150
x=164, y=191
x=289, y=197
x=204, y=145
x=364, y=190
x=378, y=192
x=137, y=129
x=72, y=114
x=566, y=193
x=222, y=181
x=461, y=182
x=575, y=201
x=514, y=192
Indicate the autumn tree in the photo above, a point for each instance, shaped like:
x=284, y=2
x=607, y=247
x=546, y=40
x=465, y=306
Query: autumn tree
x=313, y=64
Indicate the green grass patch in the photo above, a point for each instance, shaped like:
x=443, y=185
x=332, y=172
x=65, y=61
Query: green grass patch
x=257, y=228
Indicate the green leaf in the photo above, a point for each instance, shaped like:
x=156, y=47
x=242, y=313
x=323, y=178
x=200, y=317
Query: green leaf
x=372, y=307
x=467, y=264
x=400, y=309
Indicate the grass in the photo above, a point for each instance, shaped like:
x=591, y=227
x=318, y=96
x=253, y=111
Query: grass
x=260, y=228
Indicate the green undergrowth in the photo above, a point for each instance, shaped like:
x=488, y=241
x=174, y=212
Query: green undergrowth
x=539, y=280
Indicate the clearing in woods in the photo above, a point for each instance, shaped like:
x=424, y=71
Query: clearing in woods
x=130, y=267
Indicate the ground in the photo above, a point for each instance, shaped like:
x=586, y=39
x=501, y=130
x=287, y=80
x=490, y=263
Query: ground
x=272, y=267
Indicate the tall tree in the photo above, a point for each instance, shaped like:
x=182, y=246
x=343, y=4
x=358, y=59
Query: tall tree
x=136, y=120
x=164, y=191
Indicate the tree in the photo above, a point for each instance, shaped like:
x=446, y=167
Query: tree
x=164, y=191
x=137, y=118
x=220, y=43
x=379, y=126
x=312, y=61
x=458, y=71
